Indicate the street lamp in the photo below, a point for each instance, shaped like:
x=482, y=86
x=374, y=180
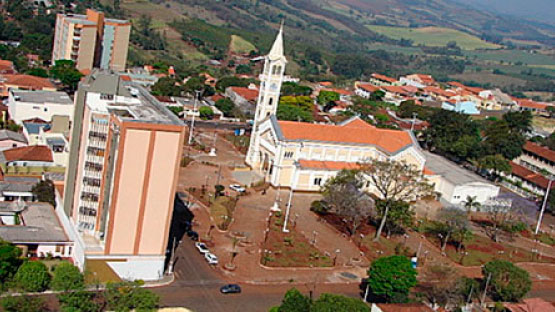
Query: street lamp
x=197, y=95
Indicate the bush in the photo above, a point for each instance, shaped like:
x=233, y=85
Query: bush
x=508, y=282
x=67, y=277
x=32, y=276
x=128, y=296
x=206, y=112
x=9, y=260
x=294, y=301
x=23, y=304
x=319, y=207
x=391, y=278
x=79, y=301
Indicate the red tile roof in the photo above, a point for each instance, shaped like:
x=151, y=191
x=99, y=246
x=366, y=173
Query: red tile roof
x=27, y=81
x=368, y=87
x=404, y=307
x=327, y=165
x=474, y=90
x=217, y=97
x=529, y=175
x=539, y=150
x=438, y=91
x=396, y=89
x=532, y=104
x=246, y=93
x=355, y=131
x=125, y=78
x=6, y=67
x=340, y=91
x=326, y=83
x=384, y=78
x=456, y=84
x=428, y=171
x=29, y=153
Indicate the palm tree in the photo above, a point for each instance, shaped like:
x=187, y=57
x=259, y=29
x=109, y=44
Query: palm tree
x=470, y=204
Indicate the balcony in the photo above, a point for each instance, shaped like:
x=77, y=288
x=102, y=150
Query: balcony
x=90, y=196
x=91, y=166
x=87, y=211
x=91, y=182
x=97, y=135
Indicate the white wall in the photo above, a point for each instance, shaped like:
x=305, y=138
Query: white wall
x=20, y=111
x=143, y=268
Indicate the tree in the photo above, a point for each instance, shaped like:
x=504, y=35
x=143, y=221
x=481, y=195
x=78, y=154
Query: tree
x=23, y=304
x=471, y=204
x=10, y=259
x=44, y=192
x=520, y=122
x=400, y=216
x=79, y=301
x=37, y=71
x=498, y=214
x=231, y=81
x=391, y=278
x=452, y=133
x=65, y=71
x=394, y=181
x=226, y=106
x=500, y=138
x=294, y=301
x=293, y=113
x=32, y=276
x=343, y=194
x=440, y=285
x=327, y=97
x=167, y=86
x=455, y=223
x=127, y=296
x=508, y=282
x=206, y=112
x=67, y=277
x=496, y=162
x=294, y=89
x=338, y=303
x=243, y=69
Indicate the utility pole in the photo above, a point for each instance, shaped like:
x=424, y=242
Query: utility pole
x=285, y=229
x=191, y=129
x=543, y=207
x=485, y=290
x=413, y=121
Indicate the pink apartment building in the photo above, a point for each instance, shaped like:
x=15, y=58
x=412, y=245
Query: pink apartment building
x=122, y=175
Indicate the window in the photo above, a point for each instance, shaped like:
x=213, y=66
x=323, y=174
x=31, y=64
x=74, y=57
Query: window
x=288, y=155
x=271, y=101
x=318, y=181
x=46, y=109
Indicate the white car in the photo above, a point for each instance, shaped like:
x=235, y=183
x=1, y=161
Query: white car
x=201, y=248
x=237, y=188
x=211, y=258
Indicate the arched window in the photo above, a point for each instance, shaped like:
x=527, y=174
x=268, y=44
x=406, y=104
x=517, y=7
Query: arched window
x=271, y=101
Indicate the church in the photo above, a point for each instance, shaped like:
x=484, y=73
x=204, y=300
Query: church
x=303, y=156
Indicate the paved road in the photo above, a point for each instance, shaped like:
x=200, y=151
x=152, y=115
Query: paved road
x=197, y=287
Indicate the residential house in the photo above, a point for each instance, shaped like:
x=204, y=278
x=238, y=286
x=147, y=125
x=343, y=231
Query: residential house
x=17, y=188
x=10, y=139
x=6, y=67
x=537, y=158
x=454, y=183
x=27, y=156
x=382, y=80
x=397, y=94
x=437, y=93
x=25, y=105
x=496, y=99
x=365, y=89
x=24, y=82
x=468, y=108
x=536, y=108
x=35, y=228
x=418, y=80
x=32, y=129
x=527, y=180
x=244, y=98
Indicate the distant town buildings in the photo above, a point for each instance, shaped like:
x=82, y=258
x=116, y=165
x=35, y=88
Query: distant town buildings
x=24, y=82
x=121, y=176
x=91, y=41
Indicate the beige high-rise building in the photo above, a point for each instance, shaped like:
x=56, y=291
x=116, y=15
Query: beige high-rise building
x=91, y=41
x=121, y=176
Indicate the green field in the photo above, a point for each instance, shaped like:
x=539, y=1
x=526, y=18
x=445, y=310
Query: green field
x=434, y=36
x=240, y=45
x=514, y=56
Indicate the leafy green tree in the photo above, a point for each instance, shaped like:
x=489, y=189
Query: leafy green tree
x=400, y=216
x=293, y=113
x=497, y=163
x=37, y=71
x=508, y=282
x=519, y=121
x=326, y=98
x=294, y=89
x=206, y=112
x=79, y=301
x=167, y=86
x=391, y=278
x=32, y=276
x=294, y=301
x=44, y=192
x=10, y=259
x=338, y=303
x=65, y=71
x=226, y=106
x=127, y=296
x=471, y=204
x=452, y=133
x=243, y=69
x=452, y=227
x=67, y=277
x=23, y=304
x=501, y=138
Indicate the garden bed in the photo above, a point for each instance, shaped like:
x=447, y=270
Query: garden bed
x=290, y=249
x=221, y=211
x=240, y=143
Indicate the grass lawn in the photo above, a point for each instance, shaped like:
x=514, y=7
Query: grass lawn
x=290, y=249
x=434, y=36
x=240, y=45
x=98, y=271
x=512, y=56
x=221, y=210
x=241, y=143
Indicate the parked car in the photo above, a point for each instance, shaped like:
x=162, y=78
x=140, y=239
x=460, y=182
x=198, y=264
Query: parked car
x=230, y=289
x=192, y=234
x=237, y=188
x=201, y=248
x=211, y=258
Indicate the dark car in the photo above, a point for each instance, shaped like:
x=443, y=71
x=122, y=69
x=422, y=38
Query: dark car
x=230, y=289
x=192, y=234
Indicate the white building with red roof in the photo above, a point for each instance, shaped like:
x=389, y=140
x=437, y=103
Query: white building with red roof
x=382, y=80
x=418, y=80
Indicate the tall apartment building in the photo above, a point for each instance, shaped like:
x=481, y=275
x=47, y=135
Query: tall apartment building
x=122, y=175
x=92, y=41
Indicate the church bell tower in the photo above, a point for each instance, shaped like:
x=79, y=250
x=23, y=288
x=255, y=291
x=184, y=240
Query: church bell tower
x=268, y=97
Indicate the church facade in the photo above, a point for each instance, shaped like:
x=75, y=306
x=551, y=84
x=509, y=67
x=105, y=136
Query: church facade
x=303, y=156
